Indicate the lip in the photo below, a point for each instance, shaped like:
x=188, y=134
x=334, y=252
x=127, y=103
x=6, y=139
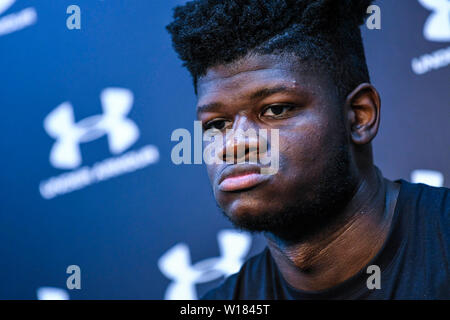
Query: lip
x=240, y=177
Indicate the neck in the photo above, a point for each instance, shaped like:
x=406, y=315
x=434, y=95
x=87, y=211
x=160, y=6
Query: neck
x=346, y=246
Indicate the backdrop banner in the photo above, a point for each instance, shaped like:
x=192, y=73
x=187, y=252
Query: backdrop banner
x=92, y=205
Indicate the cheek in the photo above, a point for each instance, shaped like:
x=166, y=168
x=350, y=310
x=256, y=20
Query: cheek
x=306, y=149
x=211, y=170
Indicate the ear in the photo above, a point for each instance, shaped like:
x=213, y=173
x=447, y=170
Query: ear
x=363, y=110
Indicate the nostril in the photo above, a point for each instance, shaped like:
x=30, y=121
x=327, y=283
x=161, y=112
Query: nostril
x=244, y=146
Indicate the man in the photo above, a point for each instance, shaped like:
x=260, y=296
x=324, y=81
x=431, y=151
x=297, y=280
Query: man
x=335, y=227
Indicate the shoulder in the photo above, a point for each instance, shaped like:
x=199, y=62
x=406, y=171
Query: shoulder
x=427, y=209
x=426, y=201
x=426, y=212
x=235, y=286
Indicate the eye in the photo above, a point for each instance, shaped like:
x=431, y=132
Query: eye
x=218, y=124
x=276, y=110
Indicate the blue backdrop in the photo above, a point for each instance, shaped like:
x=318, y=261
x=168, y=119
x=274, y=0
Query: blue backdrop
x=87, y=115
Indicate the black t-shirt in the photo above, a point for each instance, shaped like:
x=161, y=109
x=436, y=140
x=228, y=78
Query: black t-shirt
x=414, y=260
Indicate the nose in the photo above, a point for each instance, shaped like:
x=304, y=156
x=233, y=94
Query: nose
x=243, y=143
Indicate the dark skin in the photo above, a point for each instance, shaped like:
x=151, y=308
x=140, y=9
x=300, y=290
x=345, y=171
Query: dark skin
x=273, y=92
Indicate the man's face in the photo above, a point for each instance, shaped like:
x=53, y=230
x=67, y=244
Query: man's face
x=314, y=178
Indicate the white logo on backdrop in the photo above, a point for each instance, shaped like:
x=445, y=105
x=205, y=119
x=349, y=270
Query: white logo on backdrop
x=15, y=21
x=52, y=293
x=176, y=264
x=437, y=29
x=437, y=26
x=430, y=177
x=121, y=132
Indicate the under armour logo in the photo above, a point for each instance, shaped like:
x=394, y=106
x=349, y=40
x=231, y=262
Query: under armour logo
x=176, y=265
x=437, y=27
x=5, y=4
x=121, y=132
x=430, y=177
x=52, y=293
x=17, y=20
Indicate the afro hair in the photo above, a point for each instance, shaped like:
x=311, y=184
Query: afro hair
x=324, y=33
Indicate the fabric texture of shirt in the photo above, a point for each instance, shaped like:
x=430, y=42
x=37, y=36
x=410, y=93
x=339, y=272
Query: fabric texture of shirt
x=414, y=260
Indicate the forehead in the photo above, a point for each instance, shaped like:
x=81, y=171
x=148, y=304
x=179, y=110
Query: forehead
x=247, y=75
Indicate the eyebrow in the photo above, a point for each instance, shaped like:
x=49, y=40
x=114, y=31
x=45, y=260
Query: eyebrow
x=259, y=94
x=263, y=93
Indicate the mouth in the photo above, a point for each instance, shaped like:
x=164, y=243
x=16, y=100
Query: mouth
x=241, y=177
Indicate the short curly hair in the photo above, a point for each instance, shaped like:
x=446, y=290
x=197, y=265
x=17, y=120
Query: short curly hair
x=323, y=33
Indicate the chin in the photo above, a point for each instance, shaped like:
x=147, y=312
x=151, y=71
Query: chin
x=247, y=208
x=252, y=214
